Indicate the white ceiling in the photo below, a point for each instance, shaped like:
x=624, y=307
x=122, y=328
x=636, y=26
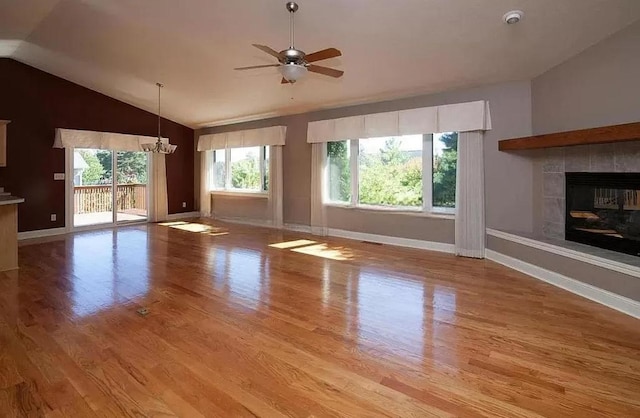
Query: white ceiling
x=391, y=48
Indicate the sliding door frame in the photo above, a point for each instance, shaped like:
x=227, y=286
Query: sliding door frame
x=69, y=193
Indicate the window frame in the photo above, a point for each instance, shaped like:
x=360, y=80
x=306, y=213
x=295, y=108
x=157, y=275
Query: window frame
x=427, y=184
x=228, y=190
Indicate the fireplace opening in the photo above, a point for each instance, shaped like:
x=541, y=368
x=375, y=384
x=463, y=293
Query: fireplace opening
x=603, y=210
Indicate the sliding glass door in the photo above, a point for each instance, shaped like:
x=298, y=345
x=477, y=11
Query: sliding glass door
x=132, y=170
x=109, y=187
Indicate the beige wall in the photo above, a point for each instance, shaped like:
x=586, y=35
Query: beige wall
x=598, y=87
x=241, y=207
x=508, y=176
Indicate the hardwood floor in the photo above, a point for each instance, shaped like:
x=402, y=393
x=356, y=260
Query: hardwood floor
x=323, y=327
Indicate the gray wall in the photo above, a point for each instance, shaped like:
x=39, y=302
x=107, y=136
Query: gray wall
x=621, y=284
x=508, y=176
x=411, y=226
x=598, y=87
x=296, y=167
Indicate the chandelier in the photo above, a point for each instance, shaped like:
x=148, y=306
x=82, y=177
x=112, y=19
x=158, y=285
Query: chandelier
x=159, y=147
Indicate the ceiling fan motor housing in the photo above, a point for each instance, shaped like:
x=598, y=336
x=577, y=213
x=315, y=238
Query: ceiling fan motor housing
x=292, y=56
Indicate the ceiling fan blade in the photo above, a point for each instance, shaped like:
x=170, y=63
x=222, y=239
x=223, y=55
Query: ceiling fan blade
x=325, y=71
x=323, y=55
x=268, y=51
x=257, y=66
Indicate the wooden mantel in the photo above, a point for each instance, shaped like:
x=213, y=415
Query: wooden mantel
x=603, y=135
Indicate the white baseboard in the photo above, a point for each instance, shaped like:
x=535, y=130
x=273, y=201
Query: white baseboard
x=183, y=215
x=39, y=233
x=595, y=260
x=397, y=241
x=604, y=297
x=298, y=228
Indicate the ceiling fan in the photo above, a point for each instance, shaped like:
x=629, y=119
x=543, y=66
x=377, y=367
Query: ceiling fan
x=294, y=63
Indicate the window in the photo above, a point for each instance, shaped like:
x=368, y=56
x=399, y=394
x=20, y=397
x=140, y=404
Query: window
x=339, y=171
x=411, y=172
x=445, y=163
x=241, y=169
x=390, y=171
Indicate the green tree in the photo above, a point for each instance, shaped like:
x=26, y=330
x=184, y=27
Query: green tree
x=391, y=154
x=106, y=161
x=245, y=174
x=444, y=172
x=450, y=140
x=339, y=171
x=94, y=173
x=391, y=177
x=132, y=166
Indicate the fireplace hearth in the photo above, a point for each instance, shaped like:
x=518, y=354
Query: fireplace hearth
x=603, y=210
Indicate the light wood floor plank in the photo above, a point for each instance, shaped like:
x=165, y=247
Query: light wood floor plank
x=331, y=327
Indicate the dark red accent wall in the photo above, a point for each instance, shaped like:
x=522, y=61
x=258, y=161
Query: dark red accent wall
x=36, y=103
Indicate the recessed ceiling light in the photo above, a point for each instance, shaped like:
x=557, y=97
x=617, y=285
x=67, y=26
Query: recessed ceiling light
x=513, y=17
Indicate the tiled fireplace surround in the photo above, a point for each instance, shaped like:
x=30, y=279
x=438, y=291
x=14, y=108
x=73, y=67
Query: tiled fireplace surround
x=621, y=157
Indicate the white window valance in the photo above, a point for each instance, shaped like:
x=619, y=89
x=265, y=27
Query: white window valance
x=461, y=117
x=73, y=138
x=273, y=135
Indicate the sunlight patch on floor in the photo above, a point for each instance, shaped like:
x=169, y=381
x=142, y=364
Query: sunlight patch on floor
x=291, y=244
x=196, y=228
x=308, y=247
x=324, y=251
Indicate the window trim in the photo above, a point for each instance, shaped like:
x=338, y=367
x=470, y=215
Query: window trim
x=239, y=193
x=446, y=213
x=228, y=190
x=427, y=172
x=427, y=208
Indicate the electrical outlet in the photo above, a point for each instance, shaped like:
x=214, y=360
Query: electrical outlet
x=58, y=176
x=54, y=217
x=184, y=204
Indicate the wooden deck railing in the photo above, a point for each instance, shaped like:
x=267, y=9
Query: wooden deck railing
x=92, y=199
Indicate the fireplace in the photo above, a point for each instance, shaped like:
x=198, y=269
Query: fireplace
x=603, y=210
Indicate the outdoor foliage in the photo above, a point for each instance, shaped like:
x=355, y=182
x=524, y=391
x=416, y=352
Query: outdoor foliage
x=444, y=172
x=393, y=176
x=132, y=166
x=245, y=174
x=95, y=172
x=244, y=168
x=339, y=171
x=105, y=160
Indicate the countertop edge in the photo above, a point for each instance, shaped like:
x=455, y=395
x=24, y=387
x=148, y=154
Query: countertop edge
x=12, y=201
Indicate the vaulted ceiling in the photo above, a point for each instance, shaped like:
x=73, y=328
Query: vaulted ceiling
x=391, y=48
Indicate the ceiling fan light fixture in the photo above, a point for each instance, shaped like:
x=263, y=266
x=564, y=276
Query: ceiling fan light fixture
x=293, y=72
